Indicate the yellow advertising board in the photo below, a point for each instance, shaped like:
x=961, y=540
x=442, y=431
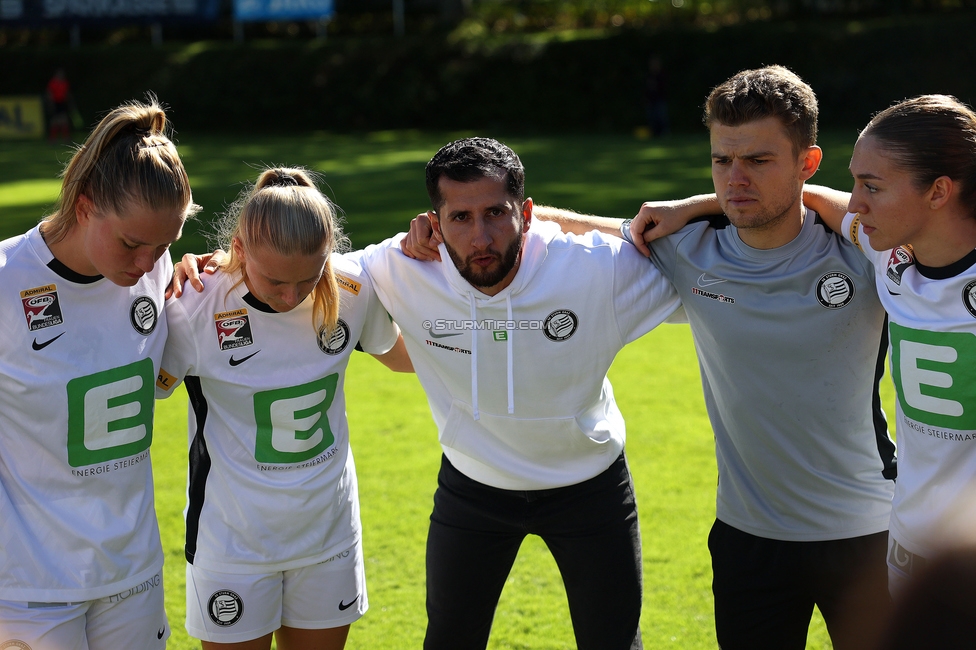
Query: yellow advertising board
x=21, y=116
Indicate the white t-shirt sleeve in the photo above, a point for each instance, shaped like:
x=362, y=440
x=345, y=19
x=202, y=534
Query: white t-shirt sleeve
x=179, y=356
x=379, y=331
x=642, y=297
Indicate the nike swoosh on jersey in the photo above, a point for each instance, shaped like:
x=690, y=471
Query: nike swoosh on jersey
x=705, y=281
x=236, y=362
x=41, y=346
x=162, y=631
x=344, y=606
x=430, y=331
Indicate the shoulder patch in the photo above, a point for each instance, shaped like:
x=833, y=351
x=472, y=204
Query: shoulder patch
x=165, y=381
x=348, y=284
x=855, y=224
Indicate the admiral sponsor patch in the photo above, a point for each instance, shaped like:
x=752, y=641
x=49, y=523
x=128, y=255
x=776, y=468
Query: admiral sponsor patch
x=164, y=380
x=225, y=608
x=143, y=315
x=41, y=307
x=560, y=325
x=854, y=233
x=835, y=290
x=334, y=342
x=233, y=329
x=899, y=261
x=348, y=284
x=969, y=297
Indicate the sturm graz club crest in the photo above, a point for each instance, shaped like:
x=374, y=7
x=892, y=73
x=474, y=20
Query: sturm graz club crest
x=560, y=325
x=835, y=290
x=143, y=315
x=225, y=608
x=969, y=297
x=334, y=342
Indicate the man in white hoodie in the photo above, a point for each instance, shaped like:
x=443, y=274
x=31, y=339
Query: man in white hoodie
x=512, y=343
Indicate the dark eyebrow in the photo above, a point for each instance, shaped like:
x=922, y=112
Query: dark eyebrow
x=866, y=176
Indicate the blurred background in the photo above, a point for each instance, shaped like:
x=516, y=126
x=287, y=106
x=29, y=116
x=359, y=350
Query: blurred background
x=535, y=66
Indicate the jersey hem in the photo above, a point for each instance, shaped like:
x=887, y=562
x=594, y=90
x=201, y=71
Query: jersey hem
x=251, y=567
x=814, y=536
x=16, y=594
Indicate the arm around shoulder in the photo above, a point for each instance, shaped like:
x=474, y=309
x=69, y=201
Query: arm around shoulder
x=576, y=223
x=397, y=358
x=830, y=204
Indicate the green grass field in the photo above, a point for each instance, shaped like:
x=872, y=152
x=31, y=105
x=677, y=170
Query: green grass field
x=378, y=181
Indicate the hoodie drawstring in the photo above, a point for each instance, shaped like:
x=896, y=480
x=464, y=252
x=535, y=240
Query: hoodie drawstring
x=509, y=335
x=474, y=357
x=511, y=373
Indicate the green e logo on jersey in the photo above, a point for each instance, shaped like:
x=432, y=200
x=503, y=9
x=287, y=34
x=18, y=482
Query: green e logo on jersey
x=110, y=414
x=934, y=375
x=293, y=423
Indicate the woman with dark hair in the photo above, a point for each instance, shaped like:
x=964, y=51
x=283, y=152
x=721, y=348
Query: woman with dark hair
x=913, y=212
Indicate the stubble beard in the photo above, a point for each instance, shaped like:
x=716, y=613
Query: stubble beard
x=766, y=217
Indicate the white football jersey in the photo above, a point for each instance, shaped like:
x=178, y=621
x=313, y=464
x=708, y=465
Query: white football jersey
x=272, y=484
x=77, y=366
x=932, y=328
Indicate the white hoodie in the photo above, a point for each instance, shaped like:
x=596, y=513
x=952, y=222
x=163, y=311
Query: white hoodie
x=517, y=381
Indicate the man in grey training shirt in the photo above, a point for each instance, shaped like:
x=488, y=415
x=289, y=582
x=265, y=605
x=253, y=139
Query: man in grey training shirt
x=791, y=342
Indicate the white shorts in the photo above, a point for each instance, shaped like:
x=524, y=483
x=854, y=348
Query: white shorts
x=901, y=565
x=134, y=618
x=235, y=607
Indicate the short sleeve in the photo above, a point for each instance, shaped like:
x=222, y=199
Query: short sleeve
x=643, y=298
x=179, y=356
x=379, y=331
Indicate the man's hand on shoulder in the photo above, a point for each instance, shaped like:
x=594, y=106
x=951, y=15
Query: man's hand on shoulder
x=421, y=242
x=658, y=219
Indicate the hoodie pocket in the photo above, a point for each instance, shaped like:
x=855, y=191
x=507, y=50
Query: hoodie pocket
x=558, y=444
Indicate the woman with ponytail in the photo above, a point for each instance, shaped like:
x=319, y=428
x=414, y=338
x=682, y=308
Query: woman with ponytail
x=81, y=296
x=273, y=540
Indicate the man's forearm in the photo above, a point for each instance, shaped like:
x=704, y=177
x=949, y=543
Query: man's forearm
x=577, y=223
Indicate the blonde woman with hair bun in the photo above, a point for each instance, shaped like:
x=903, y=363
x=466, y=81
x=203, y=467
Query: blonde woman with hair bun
x=273, y=542
x=81, y=311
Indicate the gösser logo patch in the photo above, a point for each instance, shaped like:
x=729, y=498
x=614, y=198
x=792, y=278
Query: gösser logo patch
x=560, y=325
x=336, y=341
x=225, y=608
x=143, y=315
x=969, y=297
x=835, y=290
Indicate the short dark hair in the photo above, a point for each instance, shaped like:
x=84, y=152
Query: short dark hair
x=930, y=136
x=471, y=159
x=772, y=91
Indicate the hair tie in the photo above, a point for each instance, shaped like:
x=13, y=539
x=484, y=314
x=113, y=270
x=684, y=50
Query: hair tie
x=284, y=179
